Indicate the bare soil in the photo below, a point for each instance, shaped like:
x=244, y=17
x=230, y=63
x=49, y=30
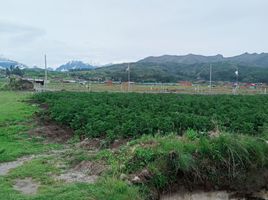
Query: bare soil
x=51, y=131
x=214, y=195
x=26, y=186
x=6, y=167
x=86, y=171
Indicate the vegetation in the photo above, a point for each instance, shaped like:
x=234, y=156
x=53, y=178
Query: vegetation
x=14, y=117
x=120, y=115
x=14, y=71
x=176, y=140
x=15, y=121
x=174, y=72
x=39, y=73
x=225, y=161
x=167, y=72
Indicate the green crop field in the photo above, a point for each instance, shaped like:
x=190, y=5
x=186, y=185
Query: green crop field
x=165, y=140
x=131, y=115
x=16, y=119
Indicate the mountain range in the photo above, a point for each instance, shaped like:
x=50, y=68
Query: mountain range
x=254, y=59
x=172, y=68
x=6, y=63
x=75, y=65
x=72, y=65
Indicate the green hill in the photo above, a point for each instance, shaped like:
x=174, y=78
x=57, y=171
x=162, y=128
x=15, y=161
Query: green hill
x=173, y=72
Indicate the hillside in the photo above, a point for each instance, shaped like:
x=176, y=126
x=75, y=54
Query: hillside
x=187, y=59
x=254, y=59
x=173, y=72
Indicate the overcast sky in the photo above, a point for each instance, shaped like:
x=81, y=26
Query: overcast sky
x=106, y=31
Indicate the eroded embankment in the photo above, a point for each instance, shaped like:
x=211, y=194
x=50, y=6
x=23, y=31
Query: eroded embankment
x=214, y=195
x=222, y=163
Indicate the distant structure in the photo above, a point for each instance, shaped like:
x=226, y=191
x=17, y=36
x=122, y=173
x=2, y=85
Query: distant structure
x=37, y=84
x=185, y=83
x=109, y=82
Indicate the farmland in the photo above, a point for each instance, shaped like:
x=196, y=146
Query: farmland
x=193, y=140
x=132, y=115
x=40, y=165
x=154, y=88
x=143, y=144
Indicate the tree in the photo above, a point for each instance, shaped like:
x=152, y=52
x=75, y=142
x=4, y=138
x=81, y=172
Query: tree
x=8, y=73
x=17, y=71
x=14, y=71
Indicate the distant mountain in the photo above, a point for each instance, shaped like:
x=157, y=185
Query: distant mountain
x=75, y=65
x=6, y=63
x=260, y=60
x=168, y=68
x=187, y=59
x=251, y=59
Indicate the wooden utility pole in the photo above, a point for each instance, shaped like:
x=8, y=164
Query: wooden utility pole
x=45, y=81
x=210, y=77
x=128, y=69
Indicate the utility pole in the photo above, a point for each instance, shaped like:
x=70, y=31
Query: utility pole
x=210, y=78
x=128, y=69
x=237, y=84
x=45, y=81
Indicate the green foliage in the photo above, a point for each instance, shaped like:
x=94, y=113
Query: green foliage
x=14, y=71
x=14, y=124
x=132, y=115
x=105, y=189
x=191, y=134
x=15, y=116
x=217, y=160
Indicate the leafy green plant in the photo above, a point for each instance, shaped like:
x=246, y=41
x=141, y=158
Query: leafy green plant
x=119, y=115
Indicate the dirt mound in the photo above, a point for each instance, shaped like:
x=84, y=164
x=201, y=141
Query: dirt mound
x=92, y=168
x=86, y=171
x=90, y=144
x=98, y=143
x=72, y=177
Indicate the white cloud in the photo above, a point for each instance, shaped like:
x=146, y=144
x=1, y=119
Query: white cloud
x=19, y=33
x=105, y=31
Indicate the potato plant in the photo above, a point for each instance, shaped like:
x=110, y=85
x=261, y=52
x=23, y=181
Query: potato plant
x=123, y=115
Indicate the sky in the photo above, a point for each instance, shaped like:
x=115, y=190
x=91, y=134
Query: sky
x=112, y=31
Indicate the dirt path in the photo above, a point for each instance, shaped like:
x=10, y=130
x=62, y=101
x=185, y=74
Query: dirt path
x=6, y=167
x=84, y=172
x=26, y=186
